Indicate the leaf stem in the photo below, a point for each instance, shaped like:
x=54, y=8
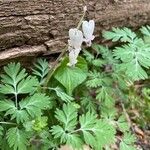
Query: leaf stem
x=76, y=131
x=9, y=123
x=16, y=100
x=125, y=111
x=56, y=63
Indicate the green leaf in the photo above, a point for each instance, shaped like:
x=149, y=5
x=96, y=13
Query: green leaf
x=68, y=116
x=96, y=130
x=1, y=131
x=40, y=123
x=95, y=79
x=67, y=137
x=15, y=80
x=87, y=123
x=89, y=57
x=122, y=124
x=71, y=77
x=104, y=95
x=17, y=139
x=128, y=142
x=88, y=104
x=41, y=69
x=35, y=104
x=98, y=62
x=124, y=35
x=145, y=30
x=60, y=93
x=10, y=108
x=135, y=57
x=105, y=134
x=29, y=107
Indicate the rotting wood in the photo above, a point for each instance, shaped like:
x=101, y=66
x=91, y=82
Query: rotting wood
x=46, y=22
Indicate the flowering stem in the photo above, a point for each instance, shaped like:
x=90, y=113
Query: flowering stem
x=56, y=63
x=54, y=67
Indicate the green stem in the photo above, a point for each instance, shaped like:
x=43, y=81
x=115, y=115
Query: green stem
x=9, y=123
x=76, y=131
x=56, y=63
x=54, y=67
x=16, y=101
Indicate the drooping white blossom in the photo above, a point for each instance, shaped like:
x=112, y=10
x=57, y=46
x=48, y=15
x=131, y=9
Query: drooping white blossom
x=74, y=48
x=76, y=38
x=72, y=58
x=88, y=30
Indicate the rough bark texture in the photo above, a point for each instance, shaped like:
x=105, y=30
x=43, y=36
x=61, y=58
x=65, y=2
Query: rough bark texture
x=46, y=22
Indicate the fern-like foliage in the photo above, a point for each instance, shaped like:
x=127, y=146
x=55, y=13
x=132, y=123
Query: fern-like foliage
x=35, y=104
x=102, y=85
x=145, y=30
x=128, y=142
x=134, y=57
x=17, y=139
x=89, y=104
x=105, y=52
x=93, y=130
x=41, y=69
x=62, y=95
x=68, y=119
x=29, y=107
x=95, y=79
x=96, y=130
x=16, y=80
x=122, y=124
x=124, y=35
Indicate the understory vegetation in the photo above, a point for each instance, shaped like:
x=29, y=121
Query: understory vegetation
x=80, y=100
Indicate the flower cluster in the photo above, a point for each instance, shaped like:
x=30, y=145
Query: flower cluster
x=77, y=37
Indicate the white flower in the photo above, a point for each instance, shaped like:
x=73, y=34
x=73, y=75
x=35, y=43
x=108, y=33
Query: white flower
x=76, y=38
x=88, y=30
x=72, y=58
x=75, y=42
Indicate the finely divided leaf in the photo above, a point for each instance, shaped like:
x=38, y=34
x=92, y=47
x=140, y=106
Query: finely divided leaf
x=124, y=35
x=145, y=30
x=41, y=69
x=127, y=142
x=134, y=57
x=10, y=109
x=97, y=133
x=35, y=104
x=105, y=134
x=68, y=116
x=66, y=133
x=123, y=124
x=16, y=80
x=30, y=107
x=60, y=93
x=17, y=139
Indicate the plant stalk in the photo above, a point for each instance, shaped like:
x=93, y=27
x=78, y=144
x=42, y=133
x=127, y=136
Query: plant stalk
x=56, y=63
x=8, y=123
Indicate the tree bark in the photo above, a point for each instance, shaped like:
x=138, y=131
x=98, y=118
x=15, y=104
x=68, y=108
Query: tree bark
x=46, y=22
